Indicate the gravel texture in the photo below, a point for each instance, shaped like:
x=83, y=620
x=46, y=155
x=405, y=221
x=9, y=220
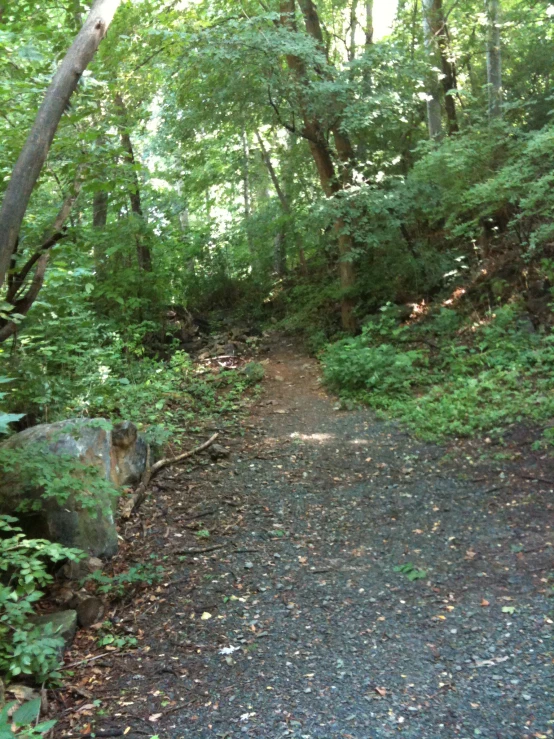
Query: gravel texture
x=301, y=625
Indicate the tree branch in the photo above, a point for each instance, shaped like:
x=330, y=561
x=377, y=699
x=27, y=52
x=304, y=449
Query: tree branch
x=136, y=500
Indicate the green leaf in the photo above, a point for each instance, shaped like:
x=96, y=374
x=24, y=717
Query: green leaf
x=27, y=713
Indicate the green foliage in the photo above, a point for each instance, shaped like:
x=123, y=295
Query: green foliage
x=57, y=476
x=474, y=378
x=23, y=721
x=123, y=584
x=26, y=649
x=107, y=638
x=411, y=572
x=7, y=418
x=254, y=372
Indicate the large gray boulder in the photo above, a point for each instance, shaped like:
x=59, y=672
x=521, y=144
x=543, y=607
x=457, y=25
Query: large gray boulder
x=119, y=455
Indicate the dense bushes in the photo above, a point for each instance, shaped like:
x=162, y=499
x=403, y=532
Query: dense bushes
x=469, y=377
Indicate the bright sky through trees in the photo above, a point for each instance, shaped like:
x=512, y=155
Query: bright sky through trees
x=384, y=12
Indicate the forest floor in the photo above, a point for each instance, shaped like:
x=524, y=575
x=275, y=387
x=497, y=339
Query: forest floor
x=300, y=625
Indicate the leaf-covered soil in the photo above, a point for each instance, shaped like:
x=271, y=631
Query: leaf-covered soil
x=301, y=625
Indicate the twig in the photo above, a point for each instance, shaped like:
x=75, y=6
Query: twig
x=535, y=479
x=90, y=659
x=79, y=691
x=200, y=551
x=207, y=512
x=136, y=500
x=176, y=708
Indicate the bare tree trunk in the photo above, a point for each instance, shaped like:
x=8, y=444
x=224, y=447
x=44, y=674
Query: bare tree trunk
x=434, y=114
x=368, y=23
x=273, y=175
x=280, y=253
x=353, y=29
x=99, y=220
x=448, y=68
x=100, y=209
x=144, y=257
x=494, y=58
x=37, y=146
x=246, y=188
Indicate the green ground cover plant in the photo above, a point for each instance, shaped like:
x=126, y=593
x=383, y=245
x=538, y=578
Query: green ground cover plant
x=465, y=377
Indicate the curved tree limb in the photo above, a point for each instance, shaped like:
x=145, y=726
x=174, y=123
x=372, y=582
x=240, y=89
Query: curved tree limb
x=137, y=499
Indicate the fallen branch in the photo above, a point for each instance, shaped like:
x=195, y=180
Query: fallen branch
x=137, y=499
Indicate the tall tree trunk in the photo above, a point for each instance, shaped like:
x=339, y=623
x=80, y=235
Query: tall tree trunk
x=246, y=188
x=369, y=30
x=280, y=260
x=353, y=29
x=314, y=132
x=39, y=141
x=99, y=220
x=100, y=209
x=144, y=257
x=434, y=114
x=494, y=58
x=448, y=68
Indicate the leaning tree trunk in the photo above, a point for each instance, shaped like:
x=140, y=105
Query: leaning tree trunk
x=37, y=146
x=494, y=58
x=434, y=114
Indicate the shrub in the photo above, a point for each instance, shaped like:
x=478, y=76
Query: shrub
x=473, y=378
x=25, y=648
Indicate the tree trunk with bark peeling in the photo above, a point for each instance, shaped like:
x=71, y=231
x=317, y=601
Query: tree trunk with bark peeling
x=39, y=141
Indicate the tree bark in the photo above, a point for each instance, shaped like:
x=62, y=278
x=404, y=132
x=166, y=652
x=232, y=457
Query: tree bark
x=99, y=219
x=353, y=29
x=246, y=189
x=280, y=261
x=434, y=113
x=144, y=257
x=494, y=58
x=369, y=30
x=448, y=68
x=39, y=141
x=273, y=175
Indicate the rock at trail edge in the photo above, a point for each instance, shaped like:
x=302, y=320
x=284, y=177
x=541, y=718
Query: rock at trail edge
x=63, y=623
x=119, y=455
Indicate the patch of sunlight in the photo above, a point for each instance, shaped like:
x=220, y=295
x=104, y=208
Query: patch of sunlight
x=359, y=442
x=312, y=437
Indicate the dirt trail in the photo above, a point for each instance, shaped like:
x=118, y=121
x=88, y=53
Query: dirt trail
x=300, y=626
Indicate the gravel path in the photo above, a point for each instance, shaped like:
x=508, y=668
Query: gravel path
x=301, y=625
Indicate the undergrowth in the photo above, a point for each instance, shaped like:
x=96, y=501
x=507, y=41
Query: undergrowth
x=448, y=376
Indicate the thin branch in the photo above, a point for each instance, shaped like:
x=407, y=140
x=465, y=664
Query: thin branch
x=136, y=500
